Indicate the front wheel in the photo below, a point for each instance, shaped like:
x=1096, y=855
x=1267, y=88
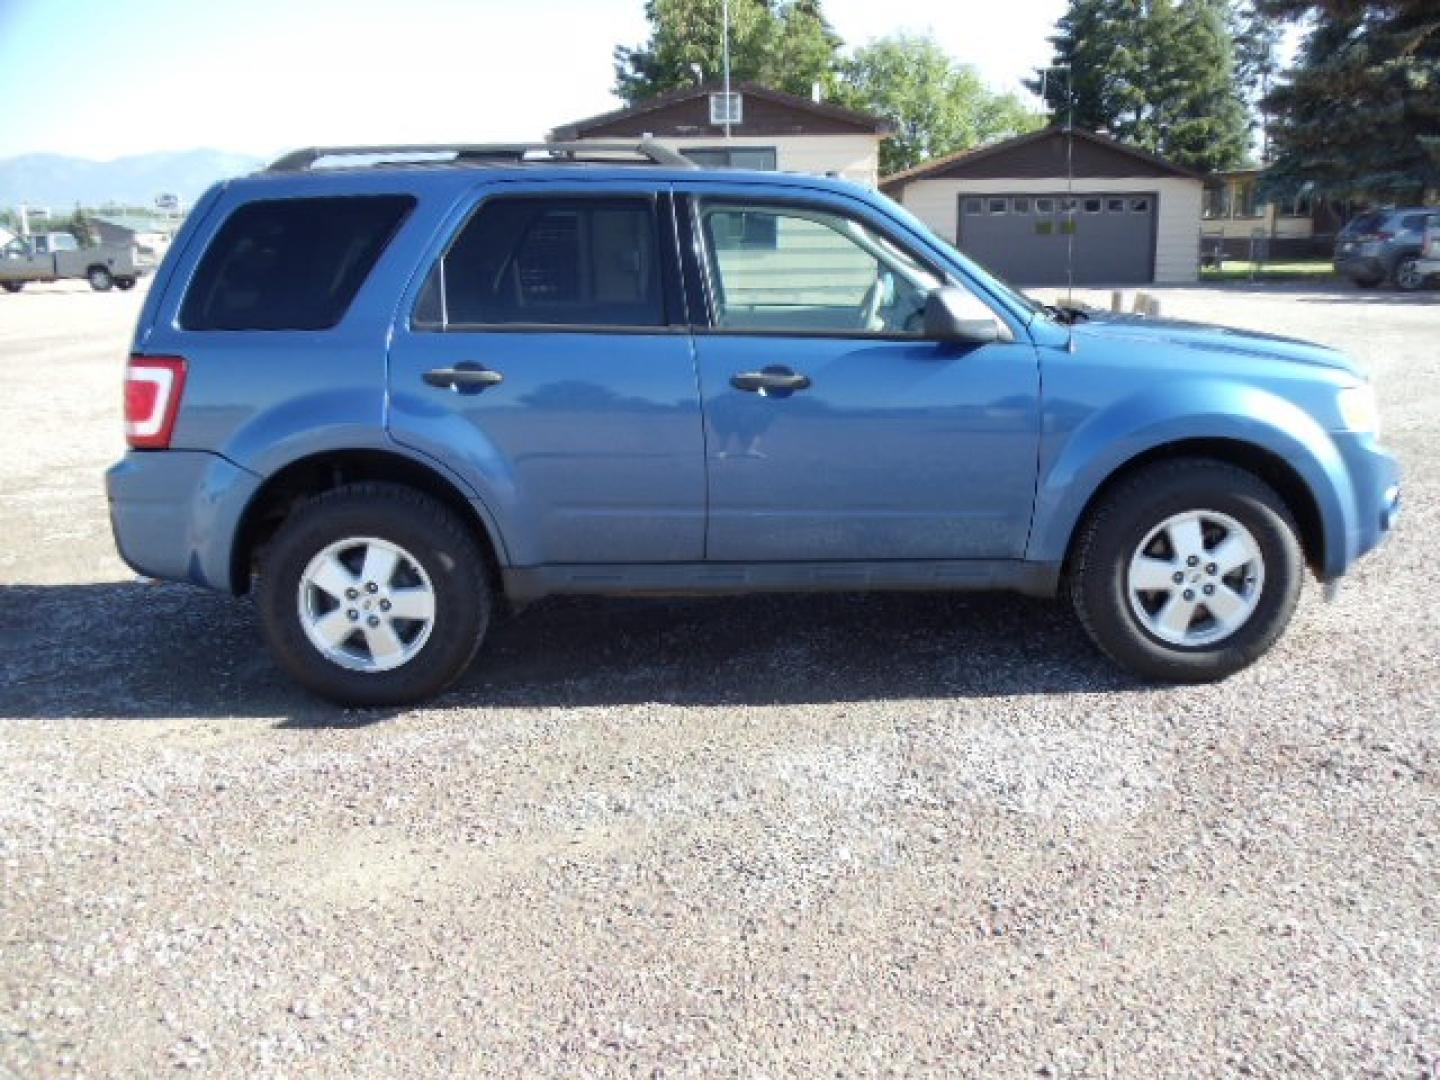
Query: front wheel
x=374, y=594
x=1187, y=571
x=1408, y=277
x=100, y=279
x=12, y=286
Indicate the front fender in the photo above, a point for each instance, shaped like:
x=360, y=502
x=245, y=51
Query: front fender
x=1079, y=453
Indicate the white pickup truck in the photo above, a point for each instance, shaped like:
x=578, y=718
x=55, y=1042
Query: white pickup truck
x=55, y=255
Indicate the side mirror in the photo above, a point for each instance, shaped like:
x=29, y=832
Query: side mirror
x=952, y=314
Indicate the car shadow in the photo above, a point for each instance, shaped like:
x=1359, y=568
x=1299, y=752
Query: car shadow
x=154, y=650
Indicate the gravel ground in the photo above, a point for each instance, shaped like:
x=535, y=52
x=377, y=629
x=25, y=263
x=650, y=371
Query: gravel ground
x=765, y=836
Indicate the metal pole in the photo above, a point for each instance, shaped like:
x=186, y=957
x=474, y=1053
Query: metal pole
x=725, y=57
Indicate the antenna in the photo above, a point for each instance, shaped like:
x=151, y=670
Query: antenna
x=725, y=59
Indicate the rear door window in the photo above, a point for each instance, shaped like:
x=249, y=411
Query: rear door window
x=291, y=264
x=548, y=261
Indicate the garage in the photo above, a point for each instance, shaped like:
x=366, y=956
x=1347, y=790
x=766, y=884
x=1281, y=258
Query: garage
x=1032, y=238
x=1057, y=206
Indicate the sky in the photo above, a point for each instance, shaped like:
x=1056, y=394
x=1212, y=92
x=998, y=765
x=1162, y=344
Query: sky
x=106, y=79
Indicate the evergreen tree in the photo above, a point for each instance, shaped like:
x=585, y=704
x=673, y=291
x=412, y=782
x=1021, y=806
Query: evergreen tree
x=1359, y=115
x=936, y=105
x=79, y=227
x=1156, y=73
x=783, y=44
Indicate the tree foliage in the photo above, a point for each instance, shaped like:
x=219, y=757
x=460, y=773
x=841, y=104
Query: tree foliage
x=936, y=105
x=784, y=44
x=1160, y=74
x=1358, y=117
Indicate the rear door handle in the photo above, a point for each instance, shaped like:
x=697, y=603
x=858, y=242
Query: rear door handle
x=774, y=377
x=465, y=376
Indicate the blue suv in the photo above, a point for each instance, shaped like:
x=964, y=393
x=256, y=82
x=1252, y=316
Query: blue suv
x=397, y=389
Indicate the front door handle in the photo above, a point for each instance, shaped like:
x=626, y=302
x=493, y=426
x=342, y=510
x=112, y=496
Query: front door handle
x=463, y=377
x=771, y=378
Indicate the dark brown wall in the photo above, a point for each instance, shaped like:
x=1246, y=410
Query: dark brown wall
x=1046, y=158
x=692, y=117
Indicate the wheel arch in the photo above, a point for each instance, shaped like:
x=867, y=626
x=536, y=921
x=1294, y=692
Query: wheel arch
x=325, y=470
x=1266, y=465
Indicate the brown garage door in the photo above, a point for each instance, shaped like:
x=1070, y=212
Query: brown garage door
x=1027, y=239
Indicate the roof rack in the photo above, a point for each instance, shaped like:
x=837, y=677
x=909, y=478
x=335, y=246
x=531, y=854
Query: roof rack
x=647, y=150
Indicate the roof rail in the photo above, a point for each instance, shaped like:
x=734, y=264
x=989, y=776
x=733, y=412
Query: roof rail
x=647, y=150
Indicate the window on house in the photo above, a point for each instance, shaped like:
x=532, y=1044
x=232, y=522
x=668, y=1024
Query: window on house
x=726, y=109
x=1092, y=206
x=974, y=206
x=1115, y=206
x=1044, y=206
x=1140, y=205
x=999, y=206
x=1020, y=206
x=733, y=157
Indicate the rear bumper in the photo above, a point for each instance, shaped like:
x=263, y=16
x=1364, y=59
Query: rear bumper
x=175, y=513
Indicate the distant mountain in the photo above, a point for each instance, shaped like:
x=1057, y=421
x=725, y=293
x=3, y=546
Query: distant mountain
x=57, y=181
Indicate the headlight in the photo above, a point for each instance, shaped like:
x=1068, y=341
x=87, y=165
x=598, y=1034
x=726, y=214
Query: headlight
x=1357, y=408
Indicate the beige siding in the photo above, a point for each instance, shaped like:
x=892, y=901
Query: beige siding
x=937, y=203
x=855, y=157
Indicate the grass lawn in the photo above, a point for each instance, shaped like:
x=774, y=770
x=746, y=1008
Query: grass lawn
x=1294, y=270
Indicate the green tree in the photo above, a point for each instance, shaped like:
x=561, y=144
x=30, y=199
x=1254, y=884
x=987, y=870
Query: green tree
x=785, y=45
x=1160, y=74
x=1358, y=117
x=1257, y=62
x=79, y=227
x=936, y=105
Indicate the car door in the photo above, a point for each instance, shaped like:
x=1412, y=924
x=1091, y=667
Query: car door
x=834, y=430
x=544, y=356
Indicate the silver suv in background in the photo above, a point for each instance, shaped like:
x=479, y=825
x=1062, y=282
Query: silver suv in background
x=1385, y=245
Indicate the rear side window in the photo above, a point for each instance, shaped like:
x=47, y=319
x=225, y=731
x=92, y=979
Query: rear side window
x=290, y=264
x=549, y=262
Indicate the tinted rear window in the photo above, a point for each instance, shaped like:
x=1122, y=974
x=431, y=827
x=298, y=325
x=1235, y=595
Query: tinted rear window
x=290, y=264
x=549, y=262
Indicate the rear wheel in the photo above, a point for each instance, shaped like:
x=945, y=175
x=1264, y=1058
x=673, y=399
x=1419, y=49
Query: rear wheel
x=124, y=283
x=12, y=286
x=100, y=279
x=1366, y=282
x=1187, y=571
x=374, y=594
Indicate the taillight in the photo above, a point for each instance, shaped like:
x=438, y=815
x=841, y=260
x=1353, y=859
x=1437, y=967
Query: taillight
x=153, y=385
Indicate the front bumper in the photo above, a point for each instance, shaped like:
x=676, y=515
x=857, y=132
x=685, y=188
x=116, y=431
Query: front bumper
x=1375, y=481
x=175, y=513
x=1365, y=267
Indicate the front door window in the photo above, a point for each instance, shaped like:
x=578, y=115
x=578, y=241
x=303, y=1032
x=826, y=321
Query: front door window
x=808, y=269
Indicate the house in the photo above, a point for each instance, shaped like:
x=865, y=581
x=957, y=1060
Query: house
x=1035, y=207
x=1235, y=221
x=768, y=129
x=145, y=232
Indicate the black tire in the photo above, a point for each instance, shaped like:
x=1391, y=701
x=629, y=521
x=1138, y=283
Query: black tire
x=124, y=283
x=437, y=539
x=1407, y=276
x=1127, y=514
x=1366, y=282
x=100, y=278
x=12, y=286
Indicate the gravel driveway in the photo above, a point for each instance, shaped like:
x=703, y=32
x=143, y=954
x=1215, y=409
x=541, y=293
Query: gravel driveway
x=886, y=834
